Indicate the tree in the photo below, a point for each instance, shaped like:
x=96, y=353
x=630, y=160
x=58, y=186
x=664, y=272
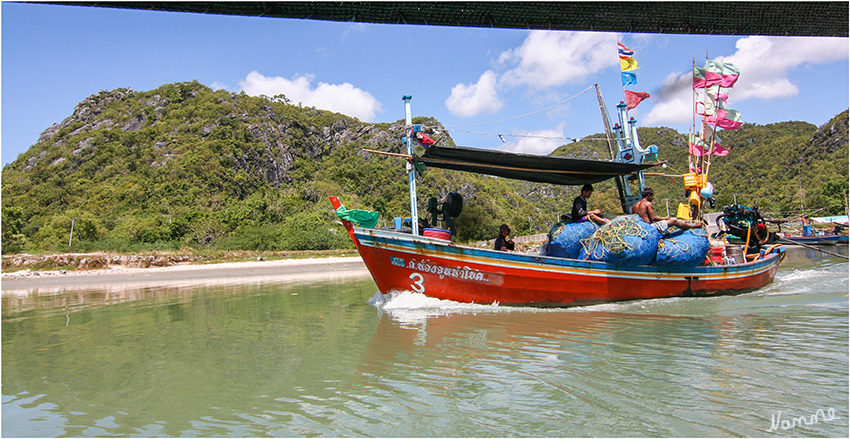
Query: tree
x=13, y=221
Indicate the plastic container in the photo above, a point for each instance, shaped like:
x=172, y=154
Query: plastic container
x=694, y=198
x=684, y=212
x=694, y=181
x=716, y=255
x=438, y=233
x=736, y=252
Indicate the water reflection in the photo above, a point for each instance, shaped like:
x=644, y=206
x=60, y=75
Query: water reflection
x=79, y=293
x=330, y=358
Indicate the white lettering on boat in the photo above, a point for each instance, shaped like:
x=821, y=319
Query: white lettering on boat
x=776, y=422
x=460, y=273
x=395, y=260
x=417, y=286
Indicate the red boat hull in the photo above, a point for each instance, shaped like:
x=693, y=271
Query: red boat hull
x=440, y=269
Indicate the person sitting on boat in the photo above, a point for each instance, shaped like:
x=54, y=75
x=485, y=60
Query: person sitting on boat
x=580, y=212
x=502, y=242
x=643, y=208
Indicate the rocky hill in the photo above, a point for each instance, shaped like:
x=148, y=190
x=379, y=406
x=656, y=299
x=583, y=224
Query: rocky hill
x=183, y=165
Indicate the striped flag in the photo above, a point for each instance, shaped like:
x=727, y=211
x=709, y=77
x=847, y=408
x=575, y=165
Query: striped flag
x=625, y=52
x=715, y=73
x=699, y=148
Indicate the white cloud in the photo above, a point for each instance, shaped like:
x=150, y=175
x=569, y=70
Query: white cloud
x=216, y=86
x=545, y=59
x=553, y=58
x=541, y=142
x=473, y=99
x=341, y=98
x=764, y=62
x=356, y=27
x=674, y=102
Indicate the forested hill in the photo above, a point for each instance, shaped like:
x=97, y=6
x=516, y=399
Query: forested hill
x=768, y=166
x=185, y=166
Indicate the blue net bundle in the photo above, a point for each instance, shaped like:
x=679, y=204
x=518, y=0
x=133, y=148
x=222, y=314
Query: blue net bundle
x=682, y=249
x=625, y=241
x=566, y=239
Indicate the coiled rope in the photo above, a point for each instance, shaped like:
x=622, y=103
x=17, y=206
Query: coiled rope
x=683, y=246
x=611, y=237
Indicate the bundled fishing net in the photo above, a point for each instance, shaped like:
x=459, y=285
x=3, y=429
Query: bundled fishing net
x=566, y=239
x=682, y=249
x=626, y=241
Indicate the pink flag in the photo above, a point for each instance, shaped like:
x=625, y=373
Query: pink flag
x=633, y=98
x=716, y=73
x=698, y=148
x=727, y=119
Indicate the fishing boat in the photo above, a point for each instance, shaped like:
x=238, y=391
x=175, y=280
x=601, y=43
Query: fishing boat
x=811, y=236
x=818, y=239
x=432, y=264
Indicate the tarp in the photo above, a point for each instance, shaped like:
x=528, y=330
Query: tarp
x=362, y=218
x=527, y=167
x=831, y=219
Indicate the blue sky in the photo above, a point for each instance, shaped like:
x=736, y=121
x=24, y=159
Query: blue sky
x=53, y=57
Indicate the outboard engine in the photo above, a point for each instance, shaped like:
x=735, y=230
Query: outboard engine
x=741, y=221
x=448, y=209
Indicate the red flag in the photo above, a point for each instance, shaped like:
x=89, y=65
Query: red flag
x=633, y=98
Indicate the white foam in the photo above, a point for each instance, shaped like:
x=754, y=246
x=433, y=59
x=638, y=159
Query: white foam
x=796, y=275
x=408, y=307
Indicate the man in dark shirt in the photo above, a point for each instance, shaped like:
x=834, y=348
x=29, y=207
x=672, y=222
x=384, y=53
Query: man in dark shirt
x=580, y=212
x=502, y=242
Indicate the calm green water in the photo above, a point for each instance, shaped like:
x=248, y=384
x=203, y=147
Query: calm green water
x=330, y=358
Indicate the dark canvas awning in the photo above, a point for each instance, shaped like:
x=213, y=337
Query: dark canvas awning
x=541, y=169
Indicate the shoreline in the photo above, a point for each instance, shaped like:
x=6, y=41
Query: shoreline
x=113, y=277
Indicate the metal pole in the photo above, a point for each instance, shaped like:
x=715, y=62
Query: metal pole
x=72, y=232
x=411, y=171
x=605, y=121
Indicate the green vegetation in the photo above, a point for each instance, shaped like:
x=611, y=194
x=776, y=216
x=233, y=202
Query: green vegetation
x=183, y=167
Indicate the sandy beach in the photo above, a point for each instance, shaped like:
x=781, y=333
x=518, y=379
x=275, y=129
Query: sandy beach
x=117, y=277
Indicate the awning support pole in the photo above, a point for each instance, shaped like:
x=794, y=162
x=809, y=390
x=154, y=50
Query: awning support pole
x=411, y=170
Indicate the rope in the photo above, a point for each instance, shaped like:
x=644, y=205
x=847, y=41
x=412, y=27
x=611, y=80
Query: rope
x=574, y=139
x=683, y=246
x=811, y=247
x=611, y=237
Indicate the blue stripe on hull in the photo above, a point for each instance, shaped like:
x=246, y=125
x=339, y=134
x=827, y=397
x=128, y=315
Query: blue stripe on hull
x=424, y=246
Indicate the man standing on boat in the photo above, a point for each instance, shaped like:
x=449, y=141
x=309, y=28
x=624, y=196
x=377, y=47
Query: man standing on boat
x=580, y=212
x=643, y=208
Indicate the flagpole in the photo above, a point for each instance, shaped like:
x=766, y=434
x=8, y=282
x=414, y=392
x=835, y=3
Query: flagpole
x=702, y=130
x=621, y=77
x=691, y=157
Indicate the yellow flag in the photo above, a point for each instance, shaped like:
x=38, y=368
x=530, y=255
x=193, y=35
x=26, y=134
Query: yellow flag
x=628, y=64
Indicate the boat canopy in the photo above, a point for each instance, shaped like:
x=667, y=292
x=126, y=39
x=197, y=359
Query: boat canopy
x=527, y=167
